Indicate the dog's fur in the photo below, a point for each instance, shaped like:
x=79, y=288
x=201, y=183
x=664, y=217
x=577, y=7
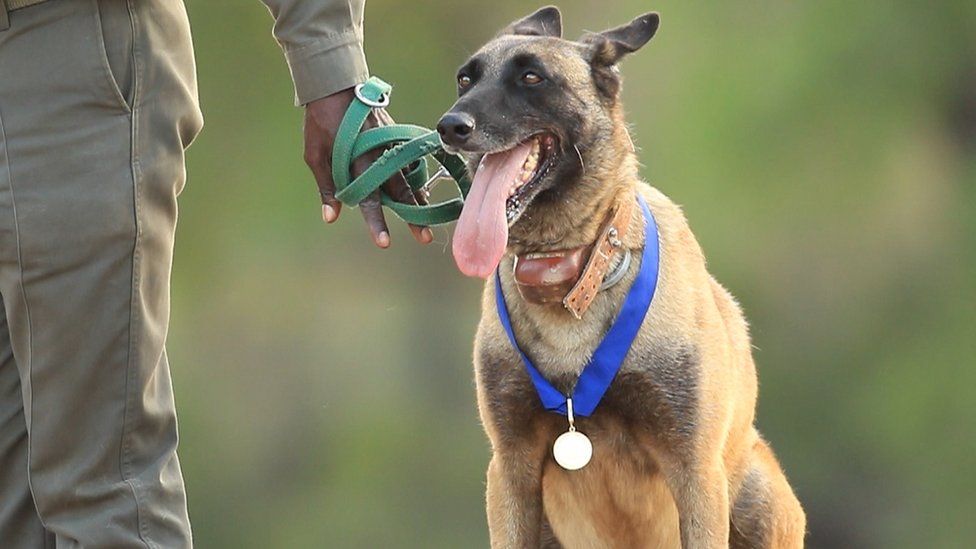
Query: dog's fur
x=677, y=461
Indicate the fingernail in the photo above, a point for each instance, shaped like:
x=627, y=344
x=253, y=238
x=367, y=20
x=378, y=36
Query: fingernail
x=426, y=235
x=383, y=240
x=328, y=213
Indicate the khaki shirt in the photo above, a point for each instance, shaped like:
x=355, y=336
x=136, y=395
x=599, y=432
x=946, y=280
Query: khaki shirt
x=323, y=44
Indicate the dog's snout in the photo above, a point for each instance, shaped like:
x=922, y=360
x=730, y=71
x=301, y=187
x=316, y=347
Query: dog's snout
x=455, y=128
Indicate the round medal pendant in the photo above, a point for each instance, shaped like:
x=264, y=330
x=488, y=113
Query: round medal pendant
x=572, y=450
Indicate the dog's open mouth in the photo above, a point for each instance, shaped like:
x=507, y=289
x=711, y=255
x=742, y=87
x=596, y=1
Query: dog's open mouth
x=534, y=169
x=503, y=186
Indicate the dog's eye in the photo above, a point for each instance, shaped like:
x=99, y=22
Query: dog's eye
x=531, y=78
x=463, y=81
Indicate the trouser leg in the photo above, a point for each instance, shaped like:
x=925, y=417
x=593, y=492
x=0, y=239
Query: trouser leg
x=91, y=172
x=19, y=524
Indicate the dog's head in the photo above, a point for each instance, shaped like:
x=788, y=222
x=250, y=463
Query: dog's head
x=533, y=113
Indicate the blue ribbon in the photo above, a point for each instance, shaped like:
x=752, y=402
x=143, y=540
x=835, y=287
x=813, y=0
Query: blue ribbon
x=609, y=356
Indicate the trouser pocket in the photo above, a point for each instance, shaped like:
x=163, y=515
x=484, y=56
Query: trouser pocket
x=116, y=48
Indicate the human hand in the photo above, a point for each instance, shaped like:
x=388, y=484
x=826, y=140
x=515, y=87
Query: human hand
x=322, y=119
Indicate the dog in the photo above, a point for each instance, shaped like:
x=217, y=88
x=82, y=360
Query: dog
x=676, y=458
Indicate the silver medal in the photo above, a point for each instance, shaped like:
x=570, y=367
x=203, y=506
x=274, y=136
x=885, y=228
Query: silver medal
x=572, y=449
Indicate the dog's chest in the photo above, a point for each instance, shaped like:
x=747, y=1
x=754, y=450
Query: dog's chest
x=653, y=398
x=620, y=498
x=649, y=408
x=617, y=500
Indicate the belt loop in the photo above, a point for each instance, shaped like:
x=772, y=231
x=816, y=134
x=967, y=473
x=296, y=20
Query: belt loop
x=4, y=16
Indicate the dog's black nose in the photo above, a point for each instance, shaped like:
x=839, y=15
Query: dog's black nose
x=455, y=128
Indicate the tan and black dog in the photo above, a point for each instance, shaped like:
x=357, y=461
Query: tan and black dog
x=677, y=461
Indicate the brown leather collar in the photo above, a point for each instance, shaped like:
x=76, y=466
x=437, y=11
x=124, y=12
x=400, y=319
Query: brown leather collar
x=573, y=277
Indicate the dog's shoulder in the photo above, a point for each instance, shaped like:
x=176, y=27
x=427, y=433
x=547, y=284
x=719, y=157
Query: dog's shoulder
x=659, y=388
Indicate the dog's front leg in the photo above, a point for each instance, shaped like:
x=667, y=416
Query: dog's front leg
x=515, y=500
x=702, y=498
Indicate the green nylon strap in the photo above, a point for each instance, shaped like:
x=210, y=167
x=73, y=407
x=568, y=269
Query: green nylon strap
x=406, y=148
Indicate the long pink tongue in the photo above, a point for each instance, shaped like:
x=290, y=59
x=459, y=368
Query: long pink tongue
x=481, y=233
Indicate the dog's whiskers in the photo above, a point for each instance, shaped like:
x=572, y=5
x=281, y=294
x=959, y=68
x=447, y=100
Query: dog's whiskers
x=580, y=155
x=633, y=148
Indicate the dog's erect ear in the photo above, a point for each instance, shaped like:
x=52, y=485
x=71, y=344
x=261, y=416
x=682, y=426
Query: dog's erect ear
x=610, y=45
x=607, y=47
x=545, y=21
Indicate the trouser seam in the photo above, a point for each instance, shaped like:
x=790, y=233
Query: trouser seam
x=125, y=466
x=29, y=410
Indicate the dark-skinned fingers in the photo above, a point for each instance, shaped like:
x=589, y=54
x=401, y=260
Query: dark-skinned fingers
x=398, y=190
x=426, y=234
x=331, y=207
x=372, y=210
x=422, y=197
x=383, y=118
x=396, y=187
x=318, y=163
x=371, y=207
x=318, y=150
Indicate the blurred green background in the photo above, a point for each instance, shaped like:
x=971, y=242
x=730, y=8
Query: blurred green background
x=825, y=154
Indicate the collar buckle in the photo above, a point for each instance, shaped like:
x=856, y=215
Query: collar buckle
x=574, y=276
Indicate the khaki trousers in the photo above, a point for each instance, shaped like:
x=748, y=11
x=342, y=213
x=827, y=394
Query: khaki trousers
x=97, y=103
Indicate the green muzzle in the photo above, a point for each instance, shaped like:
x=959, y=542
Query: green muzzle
x=406, y=148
